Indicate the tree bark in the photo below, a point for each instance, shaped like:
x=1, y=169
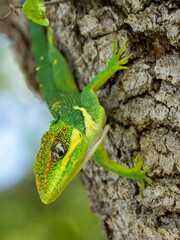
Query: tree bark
x=142, y=106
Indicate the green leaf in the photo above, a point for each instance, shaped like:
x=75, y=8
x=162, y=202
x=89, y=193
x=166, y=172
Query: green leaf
x=35, y=10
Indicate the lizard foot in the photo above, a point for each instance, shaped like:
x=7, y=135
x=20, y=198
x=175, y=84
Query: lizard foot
x=140, y=174
x=116, y=61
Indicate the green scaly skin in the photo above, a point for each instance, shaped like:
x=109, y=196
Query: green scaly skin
x=79, y=128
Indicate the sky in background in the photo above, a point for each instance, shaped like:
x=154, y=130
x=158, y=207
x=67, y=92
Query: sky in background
x=23, y=120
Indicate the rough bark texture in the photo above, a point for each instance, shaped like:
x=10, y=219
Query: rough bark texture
x=142, y=105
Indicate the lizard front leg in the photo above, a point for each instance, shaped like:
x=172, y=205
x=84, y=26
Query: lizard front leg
x=135, y=173
x=116, y=63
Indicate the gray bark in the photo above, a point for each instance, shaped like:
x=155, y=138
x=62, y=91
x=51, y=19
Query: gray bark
x=142, y=106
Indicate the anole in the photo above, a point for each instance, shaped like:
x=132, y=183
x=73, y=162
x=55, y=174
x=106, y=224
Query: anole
x=78, y=131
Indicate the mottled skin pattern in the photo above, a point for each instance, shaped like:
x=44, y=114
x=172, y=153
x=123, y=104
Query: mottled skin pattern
x=79, y=128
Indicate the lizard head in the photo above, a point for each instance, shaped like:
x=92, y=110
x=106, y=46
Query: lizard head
x=60, y=158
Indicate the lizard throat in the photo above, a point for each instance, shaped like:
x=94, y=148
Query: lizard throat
x=96, y=143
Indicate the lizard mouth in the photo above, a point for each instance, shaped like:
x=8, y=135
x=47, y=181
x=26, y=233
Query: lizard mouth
x=95, y=144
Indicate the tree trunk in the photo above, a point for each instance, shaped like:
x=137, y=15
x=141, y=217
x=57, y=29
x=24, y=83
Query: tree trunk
x=142, y=106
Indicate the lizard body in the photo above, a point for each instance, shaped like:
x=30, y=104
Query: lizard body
x=79, y=128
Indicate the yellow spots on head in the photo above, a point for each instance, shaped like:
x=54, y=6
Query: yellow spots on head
x=37, y=68
x=55, y=61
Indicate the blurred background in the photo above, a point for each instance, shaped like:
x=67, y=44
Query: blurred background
x=23, y=120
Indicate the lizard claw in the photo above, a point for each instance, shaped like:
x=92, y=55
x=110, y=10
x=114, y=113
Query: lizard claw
x=116, y=61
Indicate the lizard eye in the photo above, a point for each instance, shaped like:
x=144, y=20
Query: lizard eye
x=58, y=151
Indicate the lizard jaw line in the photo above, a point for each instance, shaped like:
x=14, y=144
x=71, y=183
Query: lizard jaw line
x=96, y=143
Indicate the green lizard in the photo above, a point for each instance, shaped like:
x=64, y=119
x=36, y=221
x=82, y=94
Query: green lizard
x=78, y=131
